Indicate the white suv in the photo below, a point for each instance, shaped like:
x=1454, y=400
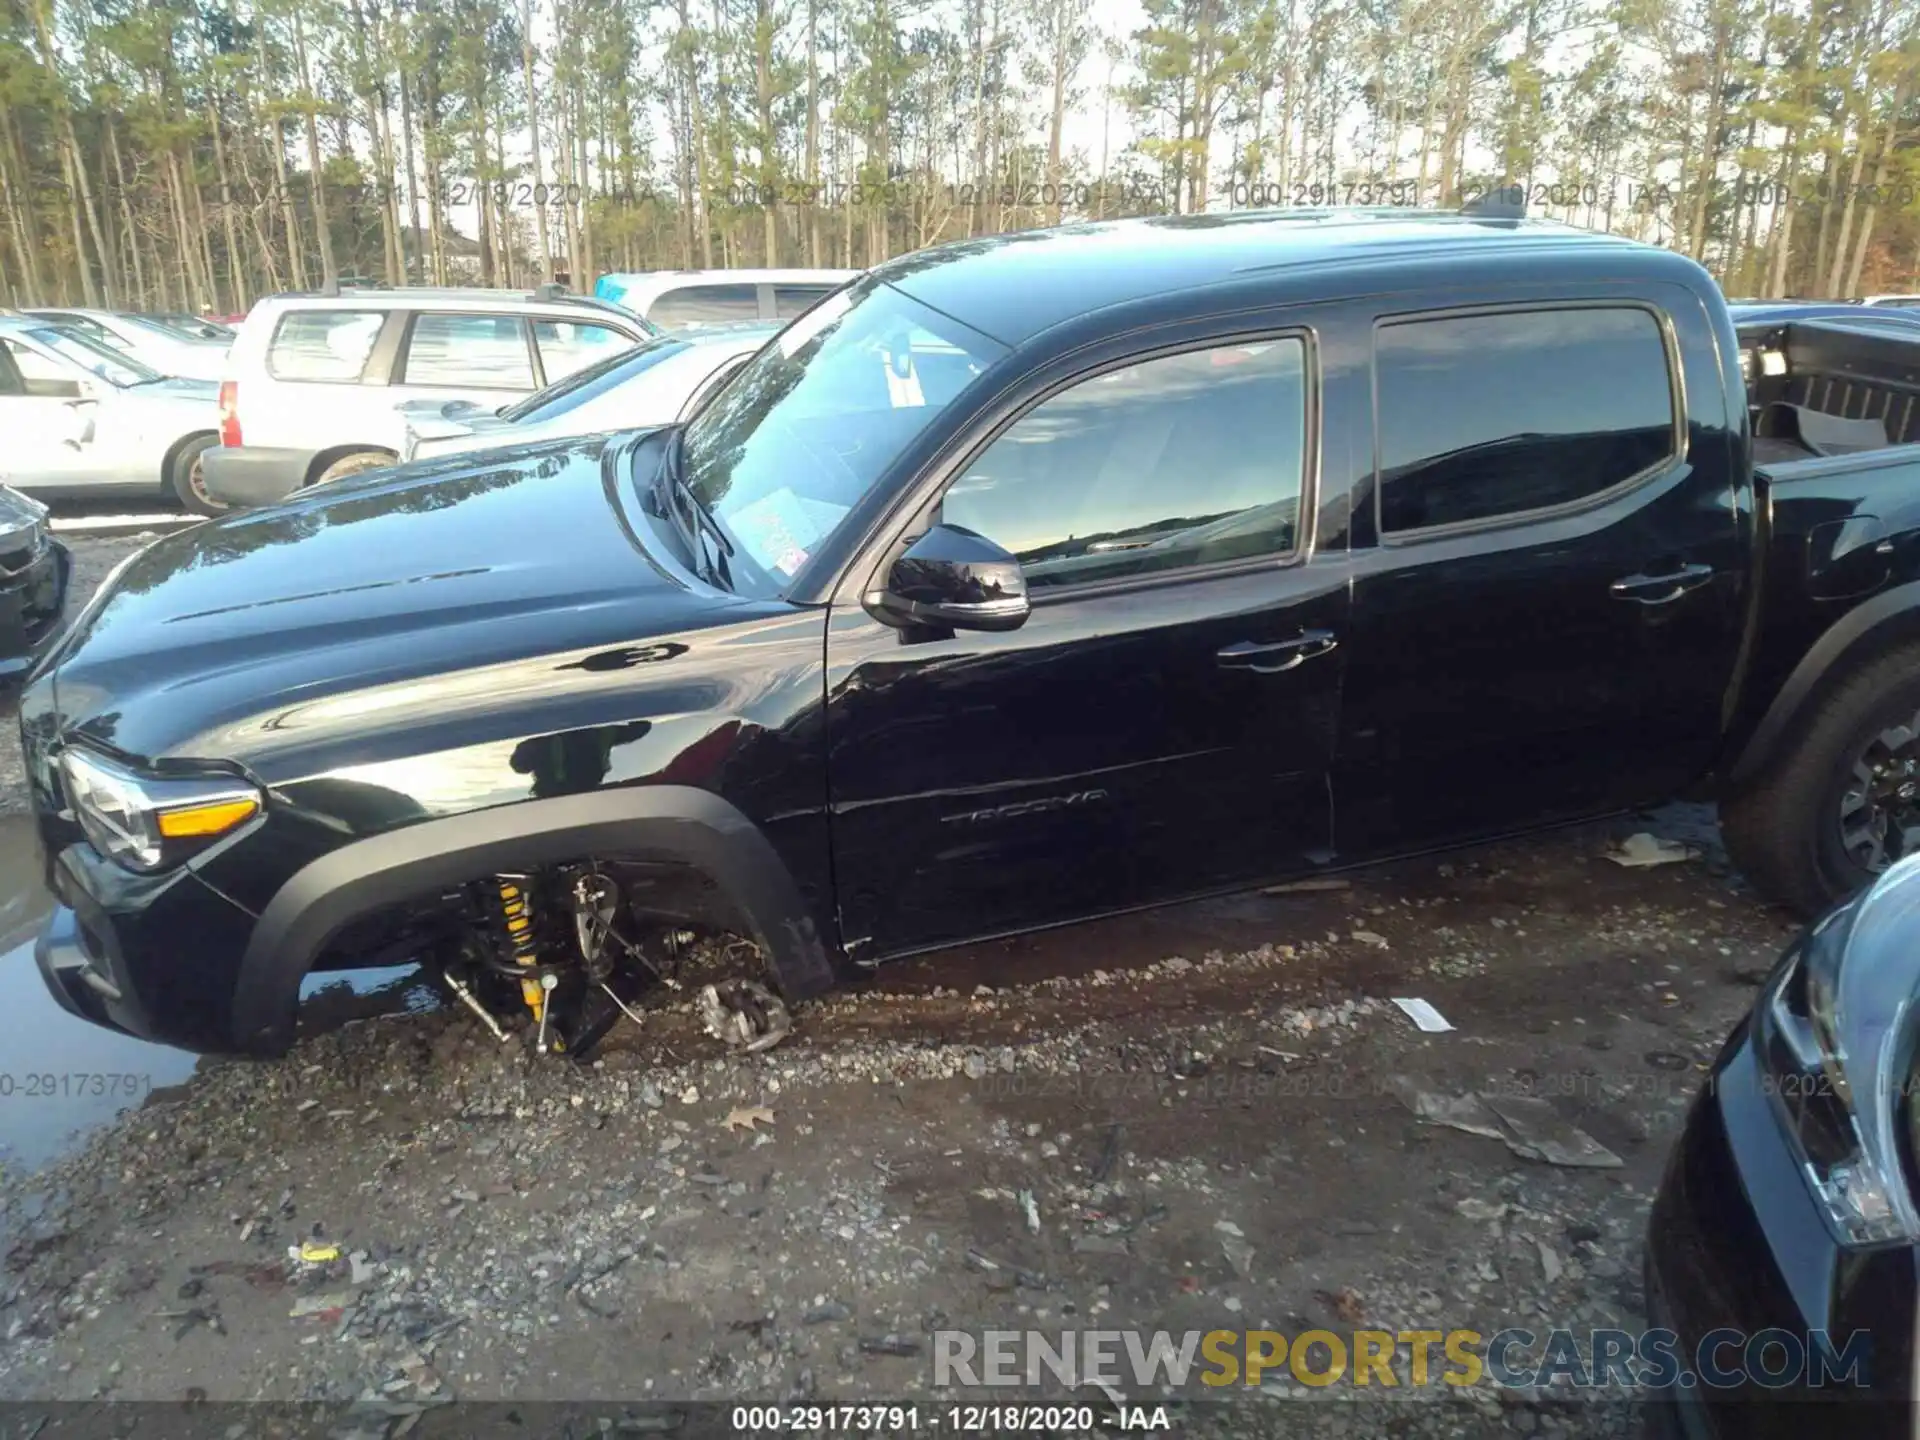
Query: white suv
x=313, y=381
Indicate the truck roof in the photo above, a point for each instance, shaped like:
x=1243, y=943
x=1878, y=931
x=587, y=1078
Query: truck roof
x=1016, y=285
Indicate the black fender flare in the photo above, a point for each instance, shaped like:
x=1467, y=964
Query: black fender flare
x=1874, y=625
x=669, y=822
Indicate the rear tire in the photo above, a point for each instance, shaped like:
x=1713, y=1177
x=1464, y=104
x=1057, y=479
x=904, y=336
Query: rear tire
x=1841, y=800
x=186, y=480
x=352, y=465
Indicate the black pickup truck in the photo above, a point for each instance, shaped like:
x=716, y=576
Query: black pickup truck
x=1025, y=580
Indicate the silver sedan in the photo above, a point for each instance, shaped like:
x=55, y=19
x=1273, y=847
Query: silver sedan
x=82, y=419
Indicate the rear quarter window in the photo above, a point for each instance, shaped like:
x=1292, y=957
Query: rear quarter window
x=327, y=345
x=1481, y=417
x=705, y=305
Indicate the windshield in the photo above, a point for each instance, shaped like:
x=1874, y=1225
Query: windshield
x=174, y=327
x=110, y=365
x=591, y=381
x=807, y=426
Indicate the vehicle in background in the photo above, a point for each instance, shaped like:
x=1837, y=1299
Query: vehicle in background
x=1753, y=312
x=82, y=419
x=157, y=346
x=657, y=382
x=34, y=568
x=313, y=382
x=1894, y=302
x=1789, y=1207
x=676, y=299
x=193, y=327
x=1024, y=580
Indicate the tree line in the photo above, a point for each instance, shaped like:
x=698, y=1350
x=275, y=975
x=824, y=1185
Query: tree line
x=182, y=154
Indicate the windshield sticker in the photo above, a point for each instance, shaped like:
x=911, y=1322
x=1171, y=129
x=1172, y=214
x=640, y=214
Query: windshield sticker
x=780, y=529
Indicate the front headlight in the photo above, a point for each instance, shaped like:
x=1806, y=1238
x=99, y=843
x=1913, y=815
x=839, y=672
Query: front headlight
x=1835, y=1031
x=147, y=823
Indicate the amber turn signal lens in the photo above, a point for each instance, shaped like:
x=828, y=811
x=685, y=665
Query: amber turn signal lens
x=201, y=820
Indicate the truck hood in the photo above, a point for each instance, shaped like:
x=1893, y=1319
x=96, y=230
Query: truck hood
x=221, y=640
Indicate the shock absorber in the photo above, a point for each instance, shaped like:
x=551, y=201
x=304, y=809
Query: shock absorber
x=516, y=913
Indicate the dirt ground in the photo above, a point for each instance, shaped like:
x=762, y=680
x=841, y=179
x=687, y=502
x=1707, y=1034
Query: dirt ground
x=1198, y=1119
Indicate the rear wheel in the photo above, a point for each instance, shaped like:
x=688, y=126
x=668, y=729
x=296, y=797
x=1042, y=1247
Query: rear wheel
x=186, y=477
x=352, y=465
x=1841, y=802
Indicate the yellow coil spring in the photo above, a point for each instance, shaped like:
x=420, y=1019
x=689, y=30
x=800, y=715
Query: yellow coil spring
x=518, y=913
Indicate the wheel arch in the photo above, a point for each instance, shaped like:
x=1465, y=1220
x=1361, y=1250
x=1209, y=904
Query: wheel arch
x=691, y=827
x=317, y=466
x=1866, y=632
x=173, y=454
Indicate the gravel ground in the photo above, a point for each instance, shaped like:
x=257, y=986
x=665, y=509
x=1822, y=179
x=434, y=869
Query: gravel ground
x=1198, y=1119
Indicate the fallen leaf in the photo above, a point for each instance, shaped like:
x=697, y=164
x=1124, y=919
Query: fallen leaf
x=747, y=1117
x=1344, y=1304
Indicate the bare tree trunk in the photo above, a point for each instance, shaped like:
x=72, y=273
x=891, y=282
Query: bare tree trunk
x=20, y=219
x=316, y=183
x=413, y=180
x=533, y=131
x=1062, y=18
x=75, y=166
x=813, y=134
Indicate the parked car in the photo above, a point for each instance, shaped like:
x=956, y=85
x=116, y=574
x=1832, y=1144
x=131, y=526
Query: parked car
x=657, y=382
x=1024, y=580
x=312, y=384
x=194, y=327
x=85, y=420
x=1899, y=302
x=675, y=299
x=157, y=346
x=1789, y=1208
x=34, y=568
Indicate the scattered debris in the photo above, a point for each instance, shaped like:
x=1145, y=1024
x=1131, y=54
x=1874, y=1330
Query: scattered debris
x=1310, y=886
x=1030, y=1210
x=748, y=1117
x=1344, y=1304
x=1642, y=849
x=1458, y=1112
x=1481, y=1212
x=1540, y=1134
x=1109, y=1155
x=1239, y=1255
x=1550, y=1266
x=327, y=1303
x=1667, y=1060
x=744, y=1014
x=1371, y=937
x=312, y=1252
x=1423, y=1015
x=827, y=1314
x=888, y=1345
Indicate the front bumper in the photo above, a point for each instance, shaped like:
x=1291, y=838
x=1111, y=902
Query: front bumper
x=154, y=956
x=1736, y=1247
x=32, y=600
x=254, y=474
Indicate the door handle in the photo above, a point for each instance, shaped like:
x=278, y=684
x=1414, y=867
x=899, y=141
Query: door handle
x=1272, y=658
x=1661, y=589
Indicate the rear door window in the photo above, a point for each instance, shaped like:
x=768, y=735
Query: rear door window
x=570, y=345
x=331, y=345
x=705, y=305
x=1482, y=417
x=470, y=352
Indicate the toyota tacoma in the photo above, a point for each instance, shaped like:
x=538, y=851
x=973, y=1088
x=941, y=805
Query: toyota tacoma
x=1027, y=579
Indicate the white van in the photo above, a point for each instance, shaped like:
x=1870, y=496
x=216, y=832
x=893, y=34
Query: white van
x=312, y=381
x=677, y=299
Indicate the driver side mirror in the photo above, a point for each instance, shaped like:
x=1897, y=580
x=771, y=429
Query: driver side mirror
x=952, y=577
